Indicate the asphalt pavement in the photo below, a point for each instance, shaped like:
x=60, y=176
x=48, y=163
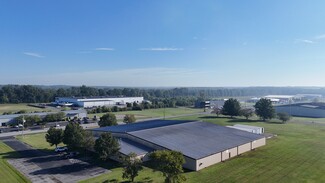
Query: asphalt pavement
x=49, y=167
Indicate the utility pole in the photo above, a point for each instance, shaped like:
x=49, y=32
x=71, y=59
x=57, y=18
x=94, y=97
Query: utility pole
x=164, y=112
x=22, y=132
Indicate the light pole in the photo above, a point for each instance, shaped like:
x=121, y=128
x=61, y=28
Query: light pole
x=22, y=132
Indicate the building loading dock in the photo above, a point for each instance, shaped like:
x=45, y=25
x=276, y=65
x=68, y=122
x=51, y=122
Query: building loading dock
x=202, y=144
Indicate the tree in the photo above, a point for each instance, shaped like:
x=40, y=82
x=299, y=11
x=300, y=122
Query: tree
x=132, y=166
x=284, y=117
x=170, y=164
x=247, y=113
x=231, y=108
x=106, y=146
x=108, y=119
x=129, y=118
x=264, y=109
x=54, y=136
x=88, y=141
x=73, y=136
x=217, y=111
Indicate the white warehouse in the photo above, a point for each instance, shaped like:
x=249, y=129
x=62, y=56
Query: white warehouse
x=88, y=102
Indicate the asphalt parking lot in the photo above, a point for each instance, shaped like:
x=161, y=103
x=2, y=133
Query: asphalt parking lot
x=47, y=167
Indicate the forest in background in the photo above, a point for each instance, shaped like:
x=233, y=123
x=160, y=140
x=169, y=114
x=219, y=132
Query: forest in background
x=182, y=96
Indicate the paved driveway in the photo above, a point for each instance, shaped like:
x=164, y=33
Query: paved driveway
x=46, y=167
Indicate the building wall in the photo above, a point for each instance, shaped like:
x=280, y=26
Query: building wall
x=95, y=102
x=4, y=122
x=190, y=163
x=227, y=155
x=208, y=161
x=258, y=143
x=244, y=148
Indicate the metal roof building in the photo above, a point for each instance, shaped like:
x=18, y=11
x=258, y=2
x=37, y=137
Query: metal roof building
x=202, y=144
x=7, y=119
x=88, y=102
x=313, y=110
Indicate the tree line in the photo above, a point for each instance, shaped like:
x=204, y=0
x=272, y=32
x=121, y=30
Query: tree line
x=181, y=96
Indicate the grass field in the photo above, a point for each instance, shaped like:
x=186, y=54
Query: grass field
x=297, y=154
x=37, y=141
x=153, y=113
x=8, y=174
x=17, y=107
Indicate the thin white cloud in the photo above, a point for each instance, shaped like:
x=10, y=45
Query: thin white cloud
x=320, y=36
x=161, y=49
x=32, y=54
x=104, y=49
x=307, y=41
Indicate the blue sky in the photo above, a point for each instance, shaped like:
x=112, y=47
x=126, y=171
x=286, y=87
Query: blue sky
x=162, y=43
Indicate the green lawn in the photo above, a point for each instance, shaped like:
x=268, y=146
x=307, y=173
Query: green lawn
x=17, y=107
x=153, y=113
x=8, y=174
x=37, y=141
x=146, y=175
x=297, y=154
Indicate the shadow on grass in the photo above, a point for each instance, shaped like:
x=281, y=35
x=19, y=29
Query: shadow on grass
x=235, y=120
x=146, y=180
x=213, y=117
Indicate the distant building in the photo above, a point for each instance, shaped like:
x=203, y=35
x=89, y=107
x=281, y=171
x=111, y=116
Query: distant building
x=202, y=144
x=281, y=99
x=88, y=102
x=313, y=110
x=7, y=119
x=248, y=128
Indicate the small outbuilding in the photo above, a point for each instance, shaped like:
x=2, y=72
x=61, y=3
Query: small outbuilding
x=248, y=128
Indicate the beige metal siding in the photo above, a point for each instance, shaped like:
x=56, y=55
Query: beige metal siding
x=258, y=143
x=244, y=148
x=208, y=161
x=229, y=153
x=233, y=152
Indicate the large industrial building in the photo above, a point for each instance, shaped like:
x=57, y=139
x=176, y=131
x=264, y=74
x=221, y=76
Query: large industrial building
x=202, y=144
x=88, y=102
x=313, y=110
x=7, y=119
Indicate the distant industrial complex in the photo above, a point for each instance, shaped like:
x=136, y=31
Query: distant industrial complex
x=202, y=144
x=313, y=110
x=88, y=102
x=7, y=119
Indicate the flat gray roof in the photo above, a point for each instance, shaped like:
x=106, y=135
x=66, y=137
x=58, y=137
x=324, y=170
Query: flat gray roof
x=196, y=139
x=127, y=146
x=139, y=126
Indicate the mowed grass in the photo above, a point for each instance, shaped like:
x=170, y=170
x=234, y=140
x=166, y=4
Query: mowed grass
x=154, y=113
x=17, y=107
x=37, y=141
x=8, y=174
x=296, y=154
x=145, y=175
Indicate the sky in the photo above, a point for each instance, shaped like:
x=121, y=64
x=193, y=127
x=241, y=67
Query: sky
x=165, y=43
